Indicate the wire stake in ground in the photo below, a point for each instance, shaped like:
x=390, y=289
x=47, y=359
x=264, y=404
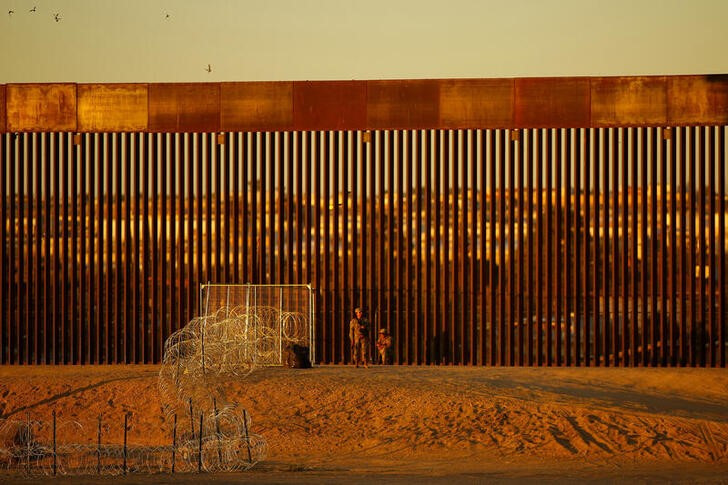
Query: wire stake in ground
x=199, y=455
x=126, y=420
x=98, y=450
x=174, y=441
x=55, y=456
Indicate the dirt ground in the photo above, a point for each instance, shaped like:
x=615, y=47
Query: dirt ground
x=395, y=424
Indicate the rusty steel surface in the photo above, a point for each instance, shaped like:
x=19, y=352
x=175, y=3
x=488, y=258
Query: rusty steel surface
x=247, y=106
x=638, y=101
x=557, y=102
x=184, y=107
x=112, y=107
x=405, y=104
x=331, y=105
x=3, y=114
x=40, y=107
x=552, y=102
x=476, y=103
x=697, y=99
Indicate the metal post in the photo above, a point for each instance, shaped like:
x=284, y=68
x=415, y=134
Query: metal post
x=28, y=439
x=199, y=454
x=55, y=455
x=98, y=449
x=217, y=431
x=192, y=420
x=126, y=421
x=247, y=436
x=174, y=442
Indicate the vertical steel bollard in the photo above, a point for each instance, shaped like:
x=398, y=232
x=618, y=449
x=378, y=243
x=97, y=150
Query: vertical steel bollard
x=174, y=441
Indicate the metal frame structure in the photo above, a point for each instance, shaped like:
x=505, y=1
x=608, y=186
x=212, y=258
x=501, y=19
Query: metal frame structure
x=567, y=221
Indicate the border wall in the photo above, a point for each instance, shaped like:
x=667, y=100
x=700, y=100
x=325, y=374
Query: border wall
x=557, y=221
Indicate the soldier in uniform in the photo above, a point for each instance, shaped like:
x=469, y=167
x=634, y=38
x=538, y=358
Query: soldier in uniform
x=384, y=346
x=359, y=338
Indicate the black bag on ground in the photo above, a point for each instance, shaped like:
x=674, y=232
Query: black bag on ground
x=296, y=357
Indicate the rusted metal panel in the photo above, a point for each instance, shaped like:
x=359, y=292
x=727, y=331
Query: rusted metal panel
x=112, y=107
x=184, y=107
x=444, y=103
x=408, y=104
x=628, y=101
x=697, y=99
x=41, y=107
x=329, y=105
x=3, y=117
x=552, y=102
x=256, y=106
x=476, y=103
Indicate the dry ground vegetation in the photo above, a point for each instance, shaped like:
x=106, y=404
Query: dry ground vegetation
x=426, y=423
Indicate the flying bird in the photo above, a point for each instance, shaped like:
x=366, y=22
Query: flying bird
x=209, y=68
x=32, y=9
x=166, y=17
x=57, y=17
x=10, y=12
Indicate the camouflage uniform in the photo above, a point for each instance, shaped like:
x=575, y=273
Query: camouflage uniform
x=384, y=346
x=359, y=338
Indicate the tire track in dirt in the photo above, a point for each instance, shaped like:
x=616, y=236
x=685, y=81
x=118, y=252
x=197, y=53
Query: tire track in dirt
x=410, y=414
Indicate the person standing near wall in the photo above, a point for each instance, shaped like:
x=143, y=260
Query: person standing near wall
x=384, y=346
x=359, y=338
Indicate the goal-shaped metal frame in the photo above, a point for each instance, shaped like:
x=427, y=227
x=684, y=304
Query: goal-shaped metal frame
x=284, y=311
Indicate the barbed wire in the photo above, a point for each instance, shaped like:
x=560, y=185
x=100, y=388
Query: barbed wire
x=231, y=342
x=222, y=444
x=198, y=361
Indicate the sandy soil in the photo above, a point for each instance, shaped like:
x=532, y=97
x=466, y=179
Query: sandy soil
x=430, y=424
